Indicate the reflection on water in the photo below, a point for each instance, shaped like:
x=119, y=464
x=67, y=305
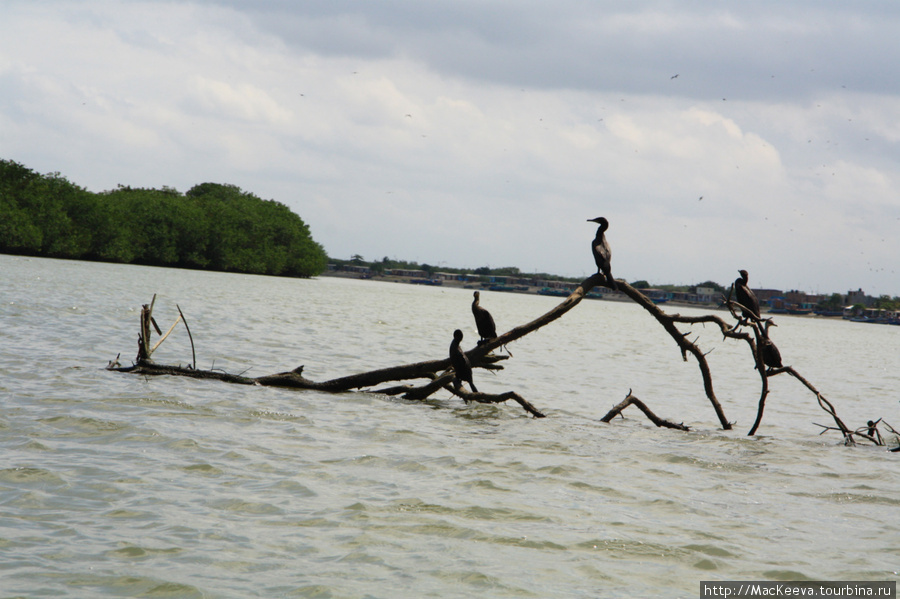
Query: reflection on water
x=119, y=485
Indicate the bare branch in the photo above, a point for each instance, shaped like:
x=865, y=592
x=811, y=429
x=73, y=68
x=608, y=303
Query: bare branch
x=191, y=337
x=668, y=323
x=163, y=338
x=632, y=400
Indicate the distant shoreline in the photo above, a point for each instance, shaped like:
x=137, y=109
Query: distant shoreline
x=603, y=294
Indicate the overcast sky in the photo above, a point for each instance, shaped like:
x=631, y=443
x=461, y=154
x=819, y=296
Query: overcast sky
x=713, y=135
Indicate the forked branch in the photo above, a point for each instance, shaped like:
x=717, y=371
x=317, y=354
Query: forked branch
x=632, y=400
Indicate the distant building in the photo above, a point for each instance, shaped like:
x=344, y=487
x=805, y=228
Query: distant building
x=706, y=295
x=451, y=276
x=359, y=269
x=801, y=300
x=859, y=297
x=765, y=295
x=657, y=294
x=556, y=284
x=404, y=272
x=693, y=298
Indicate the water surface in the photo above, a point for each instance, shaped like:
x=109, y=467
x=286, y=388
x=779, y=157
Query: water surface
x=116, y=485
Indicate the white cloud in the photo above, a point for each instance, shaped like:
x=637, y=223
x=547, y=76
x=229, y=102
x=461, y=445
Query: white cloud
x=488, y=134
x=245, y=101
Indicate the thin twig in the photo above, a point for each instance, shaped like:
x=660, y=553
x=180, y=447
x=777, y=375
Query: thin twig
x=163, y=338
x=191, y=337
x=632, y=400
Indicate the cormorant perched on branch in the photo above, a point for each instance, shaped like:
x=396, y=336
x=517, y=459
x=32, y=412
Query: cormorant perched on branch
x=771, y=355
x=745, y=297
x=460, y=363
x=601, y=251
x=483, y=320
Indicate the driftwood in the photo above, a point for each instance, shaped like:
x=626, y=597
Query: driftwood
x=439, y=375
x=668, y=322
x=755, y=344
x=480, y=357
x=869, y=432
x=632, y=400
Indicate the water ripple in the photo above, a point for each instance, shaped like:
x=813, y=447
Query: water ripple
x=117, y=485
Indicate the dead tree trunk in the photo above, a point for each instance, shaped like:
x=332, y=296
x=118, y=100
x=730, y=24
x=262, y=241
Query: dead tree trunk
x=480, y=357
x=438, y=375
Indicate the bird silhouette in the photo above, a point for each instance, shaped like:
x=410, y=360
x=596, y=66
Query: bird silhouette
x=487, y=330
x=771, y=355
x=461, y=367
x=745, y=297
x=601, y=251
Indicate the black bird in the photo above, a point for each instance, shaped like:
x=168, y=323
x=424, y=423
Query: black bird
x=771, y=355
x=745, y=297
x=487, y=330
x=872, y=431
x=601, y=251
x=460, y=363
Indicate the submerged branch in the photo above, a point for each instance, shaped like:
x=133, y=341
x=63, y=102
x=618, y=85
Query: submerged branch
x=491, y=398
x=480, y=357
x=438, y=374
x=632, y=400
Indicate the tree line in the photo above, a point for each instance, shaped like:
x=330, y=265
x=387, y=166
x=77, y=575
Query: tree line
x=385, y=264
x=212, y=226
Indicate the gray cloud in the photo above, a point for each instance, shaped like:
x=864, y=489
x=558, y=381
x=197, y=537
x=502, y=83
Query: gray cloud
x=746, y=51
x=473, y=133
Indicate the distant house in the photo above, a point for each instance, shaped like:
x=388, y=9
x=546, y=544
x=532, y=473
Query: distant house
x=450, y=276
x=657, y=295
x=405, y=272
x=706, y=295
x=859, y=297
x=766, y=295
x=556, y=285
x=684, y=296
x=360, y=269
x=799, y=300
